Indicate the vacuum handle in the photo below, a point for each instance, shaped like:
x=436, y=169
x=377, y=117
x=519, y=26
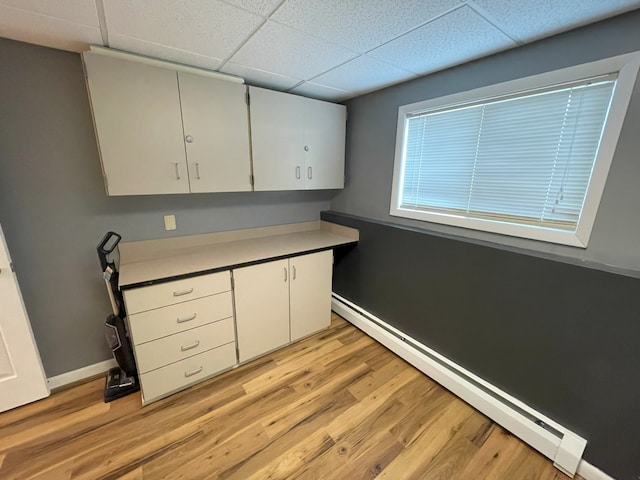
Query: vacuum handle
x=103, y=250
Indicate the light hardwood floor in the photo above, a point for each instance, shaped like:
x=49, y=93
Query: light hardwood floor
x=336, y=406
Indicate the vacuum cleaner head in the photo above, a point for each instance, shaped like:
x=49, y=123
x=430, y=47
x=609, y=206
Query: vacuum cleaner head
x=119, y=384
x=121, y=380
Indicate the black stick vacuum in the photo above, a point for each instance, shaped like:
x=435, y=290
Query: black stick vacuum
x=121, y=380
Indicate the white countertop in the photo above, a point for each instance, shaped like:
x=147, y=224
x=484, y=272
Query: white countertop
x=142, y=263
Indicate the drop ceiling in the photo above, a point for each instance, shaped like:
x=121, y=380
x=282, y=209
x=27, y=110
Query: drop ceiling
x=330, y=49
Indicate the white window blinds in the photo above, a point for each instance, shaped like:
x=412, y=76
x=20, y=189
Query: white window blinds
x=523, y=159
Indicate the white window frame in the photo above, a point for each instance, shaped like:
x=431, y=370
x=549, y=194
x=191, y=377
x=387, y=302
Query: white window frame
x=627, y=65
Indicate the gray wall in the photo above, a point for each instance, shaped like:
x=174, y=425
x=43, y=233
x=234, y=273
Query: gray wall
x=54, y=211
x=614, y=246
x=372, y=129
x=531, y=326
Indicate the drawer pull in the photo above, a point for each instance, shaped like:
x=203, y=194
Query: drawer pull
x=184, y=348
x=183, y=292
x=186, y=319
x=193, y=372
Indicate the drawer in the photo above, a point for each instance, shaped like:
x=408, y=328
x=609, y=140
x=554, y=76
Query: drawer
x=163, y=381
x=170, y=293
x=161, y=352
x=153, y=324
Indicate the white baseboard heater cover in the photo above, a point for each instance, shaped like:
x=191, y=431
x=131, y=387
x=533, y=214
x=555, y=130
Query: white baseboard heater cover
x=554, y=441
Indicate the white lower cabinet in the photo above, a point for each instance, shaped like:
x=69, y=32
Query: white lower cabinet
x=173, y=377
x=184, y=332
x=282, y=301
x=310, y=293
x=171, y=349
x=262, y=307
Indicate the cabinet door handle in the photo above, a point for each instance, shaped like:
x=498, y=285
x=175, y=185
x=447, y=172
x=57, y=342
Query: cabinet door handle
x=309, y=173
x=285, y=274
x=186, y=319
x=184, y=348
x=294, y=271
x=183, y=292
x=198, y=171
x=189, y=139
x=193, y=372
x=177, y=171
x=298, y=172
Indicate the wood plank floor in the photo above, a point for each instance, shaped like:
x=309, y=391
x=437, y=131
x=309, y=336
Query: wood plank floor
x=336, y=406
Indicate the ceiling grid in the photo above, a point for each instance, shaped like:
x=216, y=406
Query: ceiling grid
x=334, y=49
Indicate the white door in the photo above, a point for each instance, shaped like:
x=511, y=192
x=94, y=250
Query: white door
x=262, y=307
x=310, y=290
x=216, y=129
x=324, y=138
x=136, y=111
x=277, y=137
x=22, y=378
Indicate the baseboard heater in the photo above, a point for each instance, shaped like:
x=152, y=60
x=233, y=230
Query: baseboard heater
x=562, y=446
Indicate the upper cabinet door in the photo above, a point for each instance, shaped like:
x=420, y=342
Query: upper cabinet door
x=277, y=137
x=216, y=132
x=324, y=139
x=136, y=110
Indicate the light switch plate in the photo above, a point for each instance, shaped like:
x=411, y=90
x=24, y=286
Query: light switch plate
x=169, y=222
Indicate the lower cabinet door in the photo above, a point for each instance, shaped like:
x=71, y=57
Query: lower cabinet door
x=310, y=293
x=176, y=376
x=262, y=307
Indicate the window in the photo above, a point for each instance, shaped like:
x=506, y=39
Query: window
x=527, y=158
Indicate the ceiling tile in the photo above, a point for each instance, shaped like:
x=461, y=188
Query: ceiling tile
x=261, y=7
x=283, y=50
x=321, y=92
x=439, y=44
x=77, y=11
x=362, y=74
x=529, y=20
x=148, y=49
x=260, y=78
x=204, y=27
x=46, y=30
x=359, y=25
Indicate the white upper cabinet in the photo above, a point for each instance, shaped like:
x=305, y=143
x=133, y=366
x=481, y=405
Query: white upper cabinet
x=277, y=139
x=136, y=111
x=324, y=144
x=216, y=132
x=298, y=143
x=161, y=131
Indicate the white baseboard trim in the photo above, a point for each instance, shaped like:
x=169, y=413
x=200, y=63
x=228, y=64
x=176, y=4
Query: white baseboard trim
x=554, y=441
x=589, y=472
x=80, y=374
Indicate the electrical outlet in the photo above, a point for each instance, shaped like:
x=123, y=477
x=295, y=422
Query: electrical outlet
x=169, y=222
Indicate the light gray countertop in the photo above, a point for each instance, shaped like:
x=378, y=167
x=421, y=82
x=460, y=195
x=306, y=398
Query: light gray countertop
x=154, y=261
